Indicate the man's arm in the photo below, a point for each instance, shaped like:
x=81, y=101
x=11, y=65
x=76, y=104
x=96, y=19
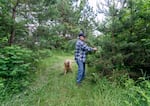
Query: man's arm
x=87, y=48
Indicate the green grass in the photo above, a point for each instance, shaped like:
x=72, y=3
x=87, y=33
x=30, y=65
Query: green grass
x=52, y=88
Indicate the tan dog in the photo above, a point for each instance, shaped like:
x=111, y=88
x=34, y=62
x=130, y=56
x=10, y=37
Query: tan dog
x=67, y=66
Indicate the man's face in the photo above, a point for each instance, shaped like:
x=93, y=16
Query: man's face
x=82, y=38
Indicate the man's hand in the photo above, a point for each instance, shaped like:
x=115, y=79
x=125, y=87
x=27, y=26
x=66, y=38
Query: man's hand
x=95, y=49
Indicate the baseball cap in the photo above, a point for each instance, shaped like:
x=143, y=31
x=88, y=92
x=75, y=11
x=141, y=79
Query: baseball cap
x=81, y=34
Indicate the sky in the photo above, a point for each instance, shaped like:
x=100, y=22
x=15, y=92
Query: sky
x=93, y=3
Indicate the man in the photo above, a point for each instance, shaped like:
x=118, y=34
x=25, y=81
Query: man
x=81, y=50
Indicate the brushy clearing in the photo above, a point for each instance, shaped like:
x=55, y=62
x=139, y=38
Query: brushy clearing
x=52, y=88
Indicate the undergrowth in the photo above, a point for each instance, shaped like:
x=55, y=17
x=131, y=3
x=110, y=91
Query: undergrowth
x=52, y=88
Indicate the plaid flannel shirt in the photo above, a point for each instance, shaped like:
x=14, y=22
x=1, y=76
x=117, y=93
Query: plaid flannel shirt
x=81, y=50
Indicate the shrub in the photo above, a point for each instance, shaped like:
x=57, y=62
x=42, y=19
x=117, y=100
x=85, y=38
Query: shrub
x=137, y=93
x=40, y=54
x=15, y=68
x=108, y=57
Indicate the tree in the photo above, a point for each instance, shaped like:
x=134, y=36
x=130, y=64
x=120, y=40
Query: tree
x=5, y=22
x=72, y=17
x=128, y=26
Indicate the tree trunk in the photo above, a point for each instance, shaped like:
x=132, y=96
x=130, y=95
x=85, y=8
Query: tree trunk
x=131, y=18
x=12, y=33
x=113, y=28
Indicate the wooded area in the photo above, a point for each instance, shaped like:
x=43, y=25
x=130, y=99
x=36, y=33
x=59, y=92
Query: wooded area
x=31, y=29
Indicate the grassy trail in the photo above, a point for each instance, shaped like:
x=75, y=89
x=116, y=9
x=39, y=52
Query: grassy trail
x=51, y=88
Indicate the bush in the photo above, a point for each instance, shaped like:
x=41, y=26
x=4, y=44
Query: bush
x=40, y=54
x=15, y=68
x=137, y=93
x=108, y=57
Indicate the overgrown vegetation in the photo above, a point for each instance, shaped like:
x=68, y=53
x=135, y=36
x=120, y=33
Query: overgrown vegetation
x=30, y=31
x=138, y=94
x=15, y=67
x=125, y=43
x=52, y=88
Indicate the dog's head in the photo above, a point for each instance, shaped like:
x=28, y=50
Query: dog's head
x=67, y=62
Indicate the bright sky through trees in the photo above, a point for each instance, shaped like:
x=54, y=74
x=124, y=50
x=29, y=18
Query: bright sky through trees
x=94, y=3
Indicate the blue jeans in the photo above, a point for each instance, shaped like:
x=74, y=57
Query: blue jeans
x=81, y=70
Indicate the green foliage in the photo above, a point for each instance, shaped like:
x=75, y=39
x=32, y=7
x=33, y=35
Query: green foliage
x=125, y=43
x=45, y=20
x=70, y=45
x=54, y=89
x=108, y=57
x=43, y=38
x=5, y=22
x=138, y=94
x=43, y=53
x=11, y=21
x=132, y=40
x=15, y=68
x=101, y=92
